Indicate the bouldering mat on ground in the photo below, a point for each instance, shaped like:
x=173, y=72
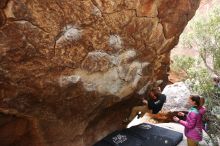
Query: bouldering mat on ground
x=142, y=135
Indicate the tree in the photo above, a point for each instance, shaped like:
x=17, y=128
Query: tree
x=204, y=35
x=197, y=77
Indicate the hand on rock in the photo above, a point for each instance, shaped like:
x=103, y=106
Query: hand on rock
x=181, y=114
x=176, y=119
x=144, y=101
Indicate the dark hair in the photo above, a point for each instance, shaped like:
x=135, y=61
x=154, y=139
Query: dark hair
x=156, y=89
x=196, y=99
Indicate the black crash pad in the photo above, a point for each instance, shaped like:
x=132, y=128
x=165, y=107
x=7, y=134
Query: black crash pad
x=142, y=135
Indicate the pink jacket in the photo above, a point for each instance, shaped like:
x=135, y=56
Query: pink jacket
x=193, y=124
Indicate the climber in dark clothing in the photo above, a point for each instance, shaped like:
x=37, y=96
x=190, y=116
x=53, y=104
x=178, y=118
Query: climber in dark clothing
x=155, y=100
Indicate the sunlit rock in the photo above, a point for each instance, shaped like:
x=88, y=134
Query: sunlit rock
x=177, y=97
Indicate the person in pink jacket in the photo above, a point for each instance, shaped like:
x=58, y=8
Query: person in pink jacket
x=193, y=123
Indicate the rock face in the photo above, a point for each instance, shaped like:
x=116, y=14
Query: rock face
x=75, y=66
x=18, y=130
x=177, y=97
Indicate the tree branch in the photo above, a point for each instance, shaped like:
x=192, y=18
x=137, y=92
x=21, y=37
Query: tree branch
x=203, y=56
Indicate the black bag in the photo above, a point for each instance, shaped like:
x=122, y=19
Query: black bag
x=142, y=135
